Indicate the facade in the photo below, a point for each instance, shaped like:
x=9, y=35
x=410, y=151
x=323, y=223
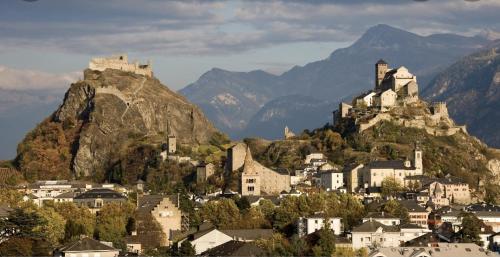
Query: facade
x=95, y=199
x=205, y=240
x=313, y=156
x=236, y=157
x=418, y=215
x=120, y=62
x=375, y=172
x=48, y=190
x=87, y=247
x=375, y=234
x=164, y=210
x=448, y=190
x=171, y=144
x=257, y=179
x=203, y=171
x=309, y=225
x=353, y=177
x=332, y=180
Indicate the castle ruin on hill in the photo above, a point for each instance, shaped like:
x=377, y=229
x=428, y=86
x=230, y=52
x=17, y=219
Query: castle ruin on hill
x=120, y=62
x=395, y=98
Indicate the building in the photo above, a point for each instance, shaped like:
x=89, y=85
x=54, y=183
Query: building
x=257, y=179
x=438, y=250
x=95, y=199
x=87, y=247
x=308, y=225
x=165, y=211
x=418, y=215
x=288, y=133
x=382, y=217
x=236, y=156
x=203, y=171
x=375, y=172
x=171, y=144
x=314, y=156
x=120, y=62
x=353, y=177
x=375, y=234
x=443, y=191
x=47, y=190
x=332, y=180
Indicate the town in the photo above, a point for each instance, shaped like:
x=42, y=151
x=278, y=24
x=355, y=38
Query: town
x=241, y=207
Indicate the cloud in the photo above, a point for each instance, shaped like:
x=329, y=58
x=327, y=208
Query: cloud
x=22, y=80
x=223, y=27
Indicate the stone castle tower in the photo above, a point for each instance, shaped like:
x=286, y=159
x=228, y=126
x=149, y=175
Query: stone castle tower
x=381, y=68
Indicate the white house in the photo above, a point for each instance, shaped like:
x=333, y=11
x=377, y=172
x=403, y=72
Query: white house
x=332, y=180
x=207, y=239
x=376, y=234
x=310, y=157
x=440, y=250
x=308, y=225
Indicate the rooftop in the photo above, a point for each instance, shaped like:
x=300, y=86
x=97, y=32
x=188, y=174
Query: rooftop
x=101, y=193
x=87, y=244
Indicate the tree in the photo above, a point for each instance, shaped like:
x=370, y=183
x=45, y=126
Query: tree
x=10, y=197
x=326, y=242
x=112, y=222
x=22, y=224
x=243, y=204
x=223, y=213
x=16, y=247
x=53, y=226
x=471, y=227
x=80, y=216
x=73, y=230
x=186, y=249
x=391, y=187
x=394, y=208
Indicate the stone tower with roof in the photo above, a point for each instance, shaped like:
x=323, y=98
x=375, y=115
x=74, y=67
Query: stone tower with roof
x=250, y=178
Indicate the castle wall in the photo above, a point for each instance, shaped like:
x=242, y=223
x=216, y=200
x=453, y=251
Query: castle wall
x=236, y=156
x=120, y=63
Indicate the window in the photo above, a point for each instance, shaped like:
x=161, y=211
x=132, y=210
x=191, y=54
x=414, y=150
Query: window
x=97, y=255
x=250, y=180
x=250, y=189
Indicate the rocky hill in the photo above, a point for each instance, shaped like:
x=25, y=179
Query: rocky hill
x=458, y=154
x=102, y=118
x=345, y=72
x=471, y=87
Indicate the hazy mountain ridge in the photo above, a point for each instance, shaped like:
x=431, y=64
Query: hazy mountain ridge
x=345, y=72
x=471, y=88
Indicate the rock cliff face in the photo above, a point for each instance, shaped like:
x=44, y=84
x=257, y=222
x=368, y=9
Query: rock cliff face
x=102, y=116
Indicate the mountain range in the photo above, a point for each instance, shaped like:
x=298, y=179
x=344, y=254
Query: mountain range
x=241, y=103
x=471, y=89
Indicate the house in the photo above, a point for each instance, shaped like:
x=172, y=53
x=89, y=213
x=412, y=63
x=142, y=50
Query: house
x=65, y=197
x=236, y=249
x=203, y=171
x=440, y=250
x=353, y=177
x=418, y=215
x=308, y=225
x=447, y=190
x=364, y=100
x=488, y=213
x=375, y=234
x=47, y=190
x=248, y=235
x=87, y=247
x=313, y=156
x=332, y=180
x=95, y=199
x=207, y=237
x=257, y=179
x=165, y=211
x=382, y=217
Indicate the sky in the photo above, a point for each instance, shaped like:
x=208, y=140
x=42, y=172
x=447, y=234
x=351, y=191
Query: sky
x=54, y=39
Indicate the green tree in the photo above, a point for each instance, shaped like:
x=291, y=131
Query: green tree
x=112, y=222
x=73, y=230
x=22, y=224
x=16, y=247
x=222, y=213
x=326, y=242
x=391, y=187
x=243, y=204
x=394, y=208
x=471, y=227
x=10, y=197
x=186, y=249
x=79, y=215
x=53, y=226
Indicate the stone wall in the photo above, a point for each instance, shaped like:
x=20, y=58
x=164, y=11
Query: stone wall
x=120, y=62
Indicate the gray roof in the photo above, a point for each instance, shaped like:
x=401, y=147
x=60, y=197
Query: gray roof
x=66, y=195
x=248, y=234
x=101, y=193
x=86, y=244
x=391, y=164
x=148, y=202
x=380, y=215
x=412, y=206
x=235, y=248
x=372, y=226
